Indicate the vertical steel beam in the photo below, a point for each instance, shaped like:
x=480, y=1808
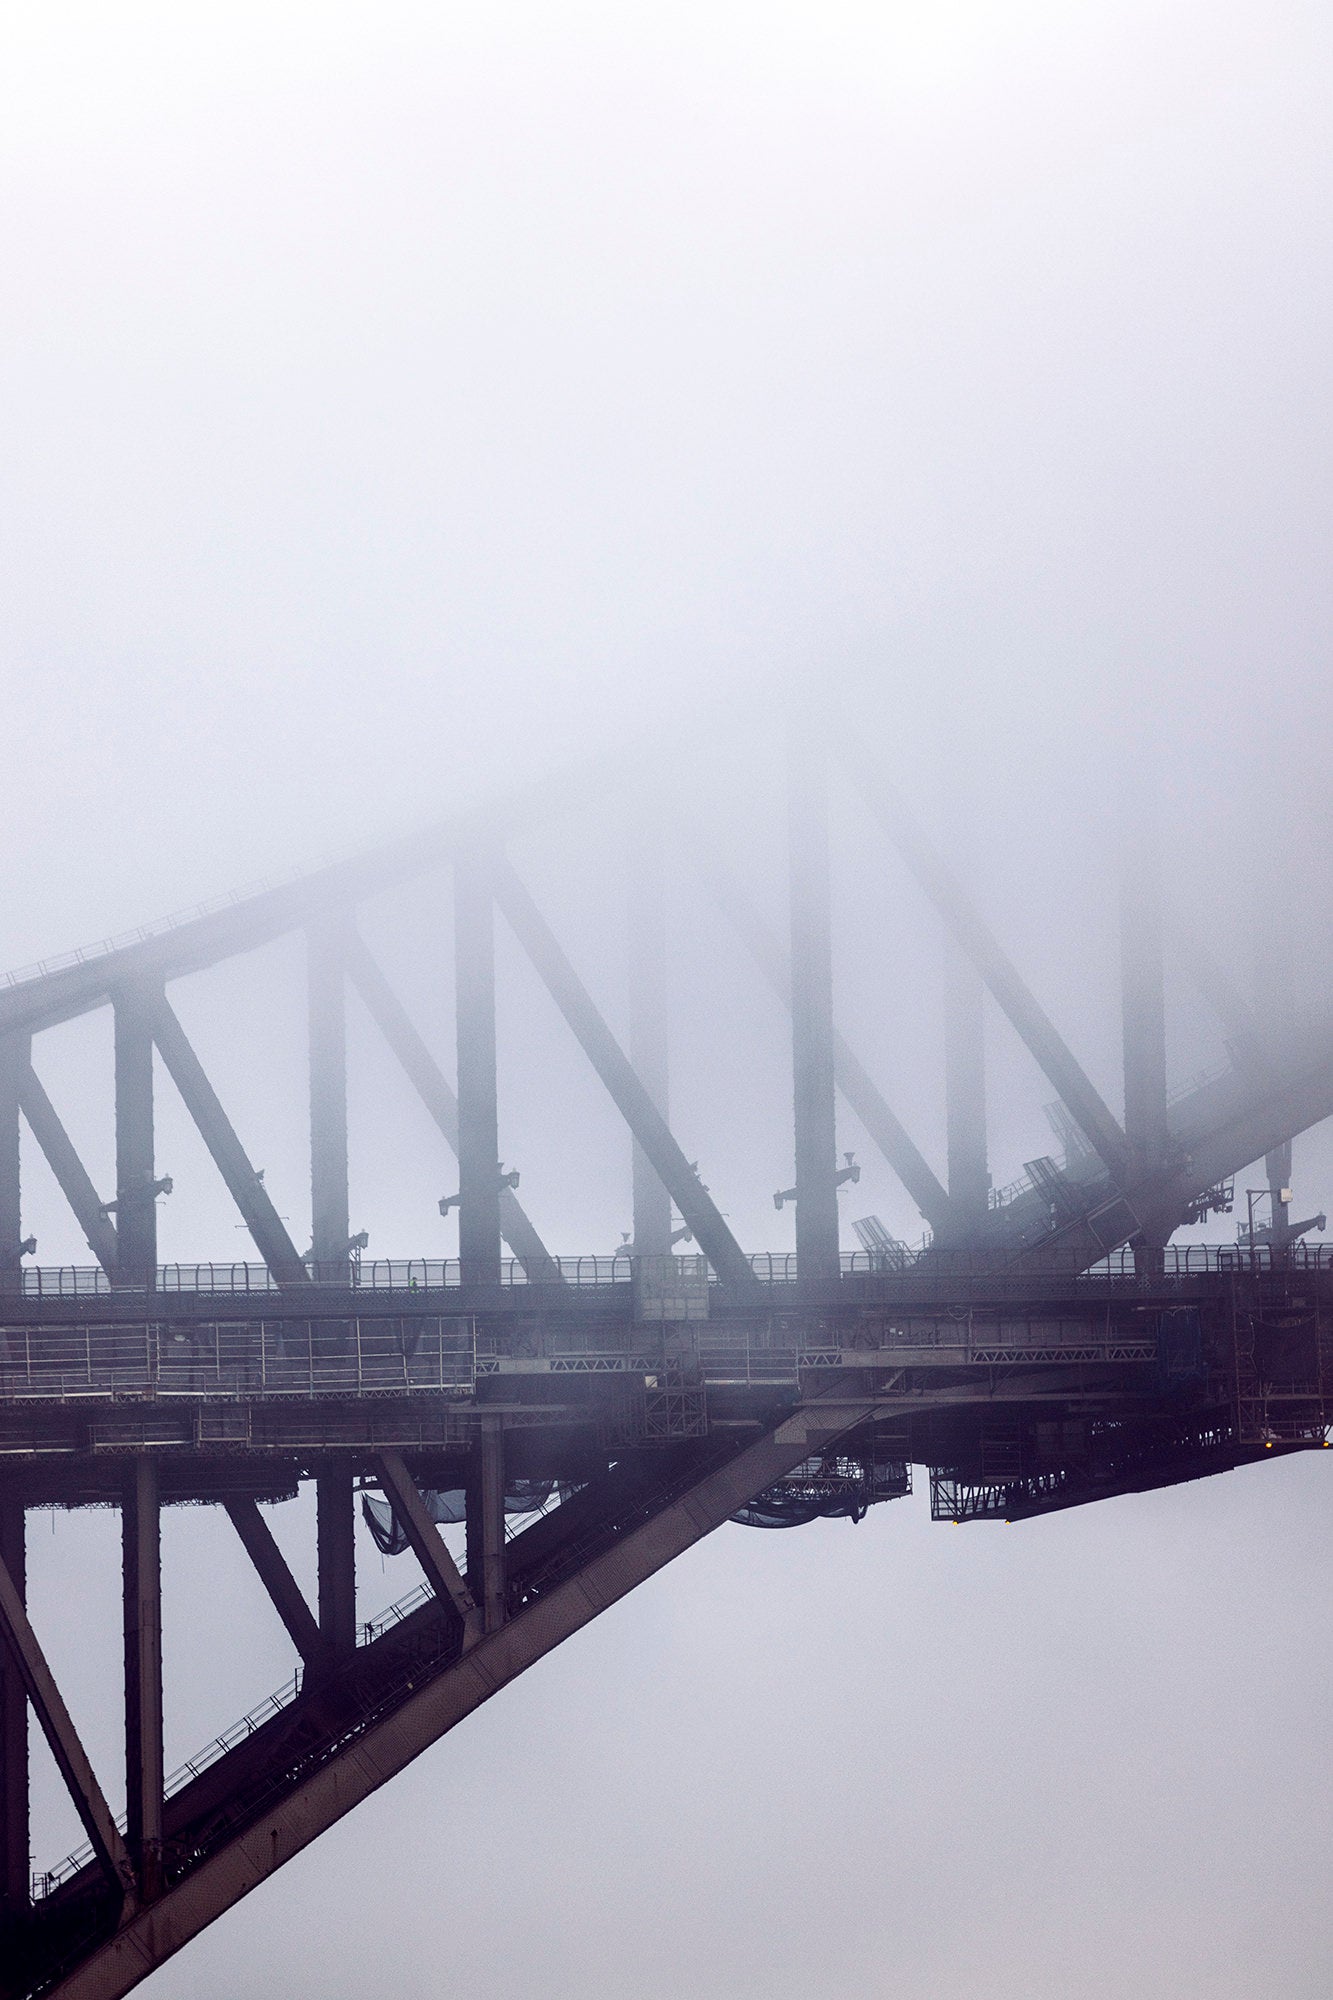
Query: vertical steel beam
x=1142, y=979
x=14, y=1065
x=330, y=1229
x=491, y=1454
x=813, y=1098
x=136, y=1198
x=14, y=1812
x=141, y=1546
x=478, y=1113
x=335, y=1529
x=1277, y=1171
x=965, y=1090
x=854, y=1080
x=648, y=1045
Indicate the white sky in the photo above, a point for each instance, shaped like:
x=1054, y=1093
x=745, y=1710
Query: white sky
x=402, y=400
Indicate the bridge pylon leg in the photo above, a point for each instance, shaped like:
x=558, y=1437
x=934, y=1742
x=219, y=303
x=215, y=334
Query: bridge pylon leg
x=326, y=994
x=813, y=1088
x=478, y=1115
x=491, y=1454
x=136, y=1196
x=15, y=1058
x=141, y=1537
x=14, y=1810
x=335, y=1528
x=645, y=932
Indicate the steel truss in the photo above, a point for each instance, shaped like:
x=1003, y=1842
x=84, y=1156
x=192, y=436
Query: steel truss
x=1044, y=1348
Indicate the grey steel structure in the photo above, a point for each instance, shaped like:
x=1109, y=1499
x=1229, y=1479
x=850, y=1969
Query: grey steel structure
x=1042, y=1349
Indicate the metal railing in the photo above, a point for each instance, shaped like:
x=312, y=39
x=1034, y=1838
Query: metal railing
x=244, y=1359
x=50, y=1879
x=772, y=1267
x=415, y=1274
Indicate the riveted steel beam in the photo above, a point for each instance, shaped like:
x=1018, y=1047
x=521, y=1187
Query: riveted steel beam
x=71, y=1175
x=965, y=1089
x=335, y=1531
x=141, y=1541
x=645, y=939
x=62, y=1738
x=699, y=1212
x=14, y=1064
x=855, y=1082
x=814, y=1125
x=442, y=1573
x=14, y=1803
x=136, y=1194
x=229, y=1156
x=444, y=1700
x=386, y=1010
x=478, y=1116
x=1016, y=999
x=285, y=1593
x=327, y=1013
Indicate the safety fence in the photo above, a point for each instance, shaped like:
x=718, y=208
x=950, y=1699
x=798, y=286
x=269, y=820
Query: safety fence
x=776, y=1267
x=239, y=1358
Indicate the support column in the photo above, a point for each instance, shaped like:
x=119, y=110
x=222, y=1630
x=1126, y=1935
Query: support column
x=1143, y=984
x=1277, y=1170
x=814, y=1113
x=141, y=1541
x=648, y=1045
x=15, y=1059
x=965, y=1092
x=15, y=1838
x=335, y=1528
x=136, y=1196
x=478, y=1112
x=330, y=1229
x=492, y=1470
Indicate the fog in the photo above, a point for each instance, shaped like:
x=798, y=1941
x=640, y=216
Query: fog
x=411, y=405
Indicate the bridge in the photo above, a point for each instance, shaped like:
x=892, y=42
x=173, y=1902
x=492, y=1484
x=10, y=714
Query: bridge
x=582, y=1420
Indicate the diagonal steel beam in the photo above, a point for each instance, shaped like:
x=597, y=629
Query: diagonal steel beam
x=62, y=1737
x=699, y=1212
x=69, y=1170
x=442, y=1573
x=853, y=1078
x=1239, y=1022
x=1035, y=1027
x=285, y=1593
x=392, y=1019
x=229, y=1156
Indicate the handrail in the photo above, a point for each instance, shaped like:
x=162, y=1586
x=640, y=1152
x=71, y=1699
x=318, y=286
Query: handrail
x=47, y=1880
x=775, y=1267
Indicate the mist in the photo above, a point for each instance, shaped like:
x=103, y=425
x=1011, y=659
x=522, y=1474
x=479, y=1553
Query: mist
x=408, y=406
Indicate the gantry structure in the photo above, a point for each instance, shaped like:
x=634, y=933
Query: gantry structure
x=586, y=1419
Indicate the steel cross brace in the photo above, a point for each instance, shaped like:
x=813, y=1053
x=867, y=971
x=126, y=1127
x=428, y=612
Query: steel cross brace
x=150, y=1936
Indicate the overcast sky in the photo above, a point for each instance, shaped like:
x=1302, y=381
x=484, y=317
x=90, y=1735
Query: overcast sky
x=405, y=401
